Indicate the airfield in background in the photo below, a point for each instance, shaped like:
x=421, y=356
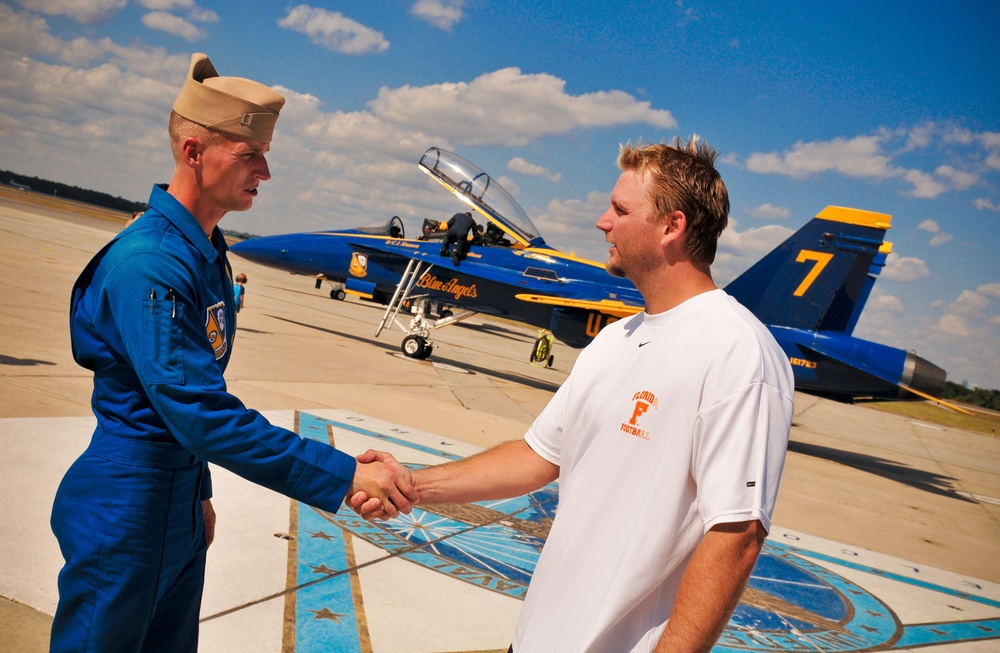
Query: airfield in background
x=907, y=497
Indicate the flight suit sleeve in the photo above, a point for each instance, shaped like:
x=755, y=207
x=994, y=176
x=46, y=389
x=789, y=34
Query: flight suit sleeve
x=156, y=304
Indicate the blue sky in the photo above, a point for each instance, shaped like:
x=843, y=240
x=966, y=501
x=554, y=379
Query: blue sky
x=885, y=106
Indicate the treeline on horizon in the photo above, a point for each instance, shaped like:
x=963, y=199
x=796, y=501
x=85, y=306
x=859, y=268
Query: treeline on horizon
x=76, y=193
x=92, y=197
x=981, y=397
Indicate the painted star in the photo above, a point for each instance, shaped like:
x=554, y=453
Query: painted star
x=325, y=613
x=321, y=535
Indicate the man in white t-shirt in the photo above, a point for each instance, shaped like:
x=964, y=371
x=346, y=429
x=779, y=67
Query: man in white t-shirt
x=668, y=437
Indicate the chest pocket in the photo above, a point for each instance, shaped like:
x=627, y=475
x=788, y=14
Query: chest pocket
x=162, y=327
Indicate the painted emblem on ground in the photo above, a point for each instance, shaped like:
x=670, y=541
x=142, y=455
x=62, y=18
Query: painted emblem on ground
x=797, y=599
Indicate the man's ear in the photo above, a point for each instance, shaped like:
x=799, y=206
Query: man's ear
x=191, y=152
x=674, y=227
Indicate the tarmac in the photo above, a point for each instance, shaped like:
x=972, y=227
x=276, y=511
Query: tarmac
x=888, y=527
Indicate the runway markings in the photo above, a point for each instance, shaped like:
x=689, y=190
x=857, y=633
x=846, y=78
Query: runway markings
x=979, y=497
x=806, y=594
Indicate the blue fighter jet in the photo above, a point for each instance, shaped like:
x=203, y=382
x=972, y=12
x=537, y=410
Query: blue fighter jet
x=809, y=291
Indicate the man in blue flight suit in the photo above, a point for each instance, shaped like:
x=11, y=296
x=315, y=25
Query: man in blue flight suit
x=459, y=226
x=153, y=316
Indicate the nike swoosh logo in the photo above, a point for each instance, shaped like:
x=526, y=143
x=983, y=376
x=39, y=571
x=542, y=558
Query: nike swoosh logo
x=643, y=344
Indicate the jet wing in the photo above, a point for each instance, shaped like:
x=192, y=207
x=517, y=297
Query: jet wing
x=606, y=306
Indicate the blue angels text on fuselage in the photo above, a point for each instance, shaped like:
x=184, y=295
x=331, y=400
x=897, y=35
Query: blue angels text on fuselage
x=810, y=290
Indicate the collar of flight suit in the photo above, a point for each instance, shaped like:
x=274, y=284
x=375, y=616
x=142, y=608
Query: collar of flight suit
x=167, y=205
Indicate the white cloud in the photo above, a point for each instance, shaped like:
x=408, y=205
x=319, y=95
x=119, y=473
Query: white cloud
x=958, y=179
x=738, y=250
x=856, y=157
x=883, y=303
x=930, y=226
x=924, y=184
x=904, y=269
x=83, y=11
x=984, y=204
x=333, y=31
x=770, y=212
x=172, y=24
x=954, y=325
x=440, y=13
x=187, y=7
x=509, y=185
x=517, y=164
x=507, y=107
x=990, y=289
x=24, y=34
x=919, y=137
x=969, y=304
x=570, y=225
x=165, y=5
x=879, y=156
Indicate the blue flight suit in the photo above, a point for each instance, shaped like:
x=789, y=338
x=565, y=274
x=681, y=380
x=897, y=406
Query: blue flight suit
x=459, y=226
x=153, y=316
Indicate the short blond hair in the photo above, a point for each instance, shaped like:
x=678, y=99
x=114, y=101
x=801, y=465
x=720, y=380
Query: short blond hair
x=682, y=177
x=181, y=129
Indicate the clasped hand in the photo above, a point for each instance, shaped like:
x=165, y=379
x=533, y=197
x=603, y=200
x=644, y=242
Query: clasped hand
x=382, y=487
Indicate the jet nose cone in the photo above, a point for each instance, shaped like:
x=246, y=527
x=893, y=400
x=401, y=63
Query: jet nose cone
x=265, y=250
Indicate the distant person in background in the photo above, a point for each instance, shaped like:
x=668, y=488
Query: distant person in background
x=135, y=216
x=152, y=317
x=240, y=290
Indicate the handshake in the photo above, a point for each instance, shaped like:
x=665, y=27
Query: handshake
x=382, y=487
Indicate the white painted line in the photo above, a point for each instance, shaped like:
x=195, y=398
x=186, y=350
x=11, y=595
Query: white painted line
x=979, y=497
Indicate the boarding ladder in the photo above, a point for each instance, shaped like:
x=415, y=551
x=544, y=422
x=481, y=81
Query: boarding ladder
x=414, y=271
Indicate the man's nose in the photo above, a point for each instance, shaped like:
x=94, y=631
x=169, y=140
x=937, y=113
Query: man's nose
x=263, y=173
x=604, y=222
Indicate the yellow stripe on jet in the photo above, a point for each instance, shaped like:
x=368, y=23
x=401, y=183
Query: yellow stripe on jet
x=934, y=399
x=856, y=216
x=607, y=306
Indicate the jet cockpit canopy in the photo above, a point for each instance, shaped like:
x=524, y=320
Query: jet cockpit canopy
x=480, y=191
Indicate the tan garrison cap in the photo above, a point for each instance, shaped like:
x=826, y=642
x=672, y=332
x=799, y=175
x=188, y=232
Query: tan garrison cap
x=232, y=105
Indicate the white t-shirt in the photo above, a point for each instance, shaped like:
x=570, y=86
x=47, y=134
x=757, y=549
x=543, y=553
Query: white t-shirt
x=667, y=425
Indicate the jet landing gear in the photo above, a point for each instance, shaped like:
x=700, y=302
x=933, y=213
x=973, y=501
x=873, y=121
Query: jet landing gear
x=415, y=346
x=338, y=288
x=541, y=353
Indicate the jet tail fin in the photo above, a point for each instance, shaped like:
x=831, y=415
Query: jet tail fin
x=819, y=278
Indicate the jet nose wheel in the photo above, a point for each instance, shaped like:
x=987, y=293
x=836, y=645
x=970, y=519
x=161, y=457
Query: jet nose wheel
x=416, y=347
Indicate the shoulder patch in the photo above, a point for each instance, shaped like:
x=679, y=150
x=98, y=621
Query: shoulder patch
x=215, y=328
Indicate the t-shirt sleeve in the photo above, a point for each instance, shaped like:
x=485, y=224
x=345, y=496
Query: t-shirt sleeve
x=545, y=434
x=738, y=454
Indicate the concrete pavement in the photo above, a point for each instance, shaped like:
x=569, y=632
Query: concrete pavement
x=894, y=492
